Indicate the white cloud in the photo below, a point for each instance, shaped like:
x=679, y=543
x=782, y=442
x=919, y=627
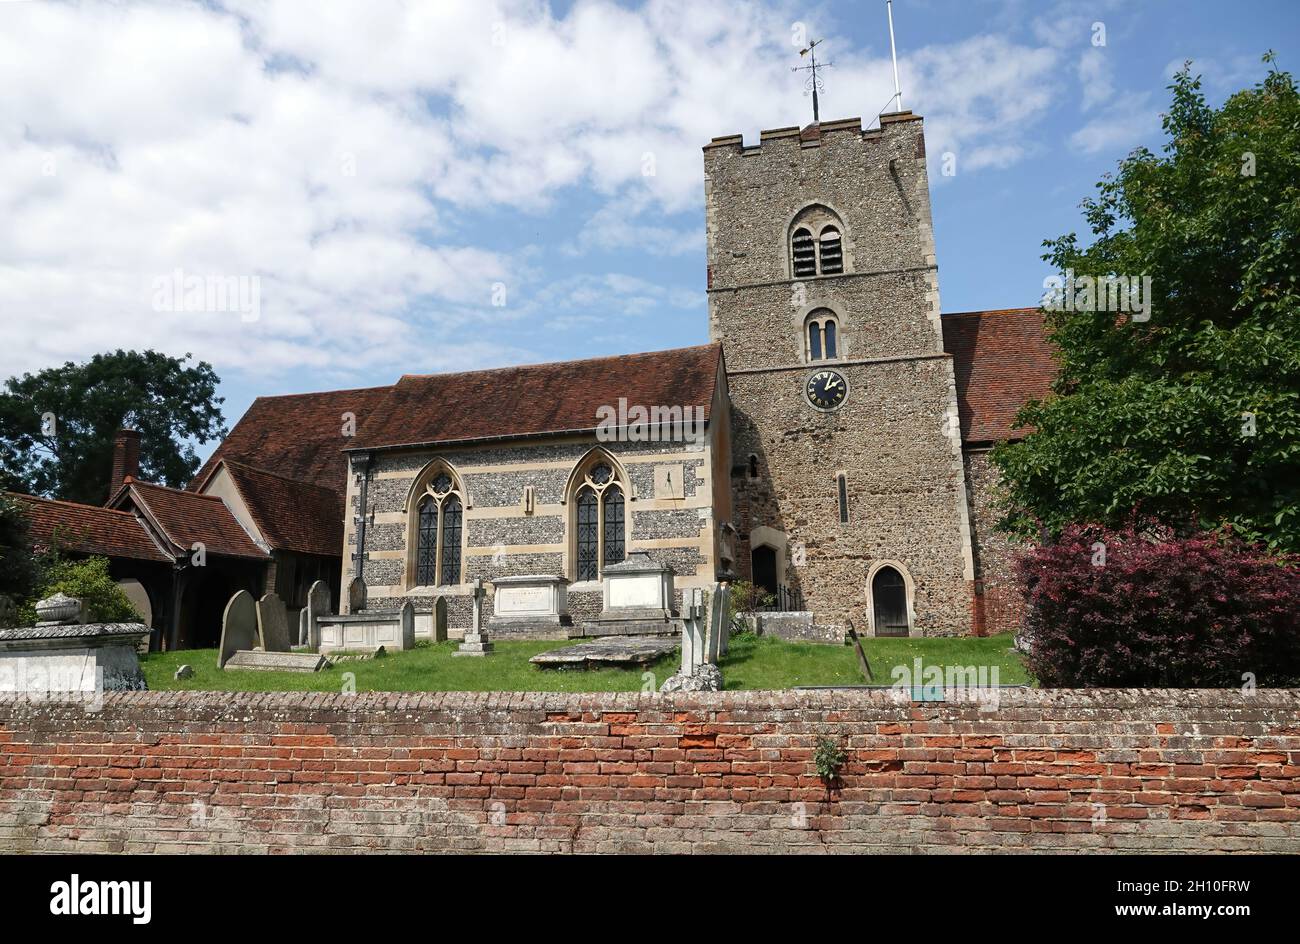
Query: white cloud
x=1129, y=120
x=349, y=159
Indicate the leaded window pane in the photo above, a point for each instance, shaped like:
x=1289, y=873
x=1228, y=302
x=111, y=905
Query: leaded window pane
x=588, y=535
x=613, y=501
x=451, y=524
x=829, y=332
x=426, y=554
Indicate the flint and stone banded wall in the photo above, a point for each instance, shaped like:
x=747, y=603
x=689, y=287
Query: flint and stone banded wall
x=501, y=539
x=1053, y=771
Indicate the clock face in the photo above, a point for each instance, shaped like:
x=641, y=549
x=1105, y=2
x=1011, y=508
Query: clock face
x=826, y=390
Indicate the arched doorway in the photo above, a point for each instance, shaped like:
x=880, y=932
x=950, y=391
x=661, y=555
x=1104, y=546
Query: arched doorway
x=763, y=568
x=890, y=616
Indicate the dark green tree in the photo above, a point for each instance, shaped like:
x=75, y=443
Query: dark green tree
x=57, y=426
x=19, y=568
x=1192, y=417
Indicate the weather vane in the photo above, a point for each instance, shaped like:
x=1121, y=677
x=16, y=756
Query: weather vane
x=814, y=81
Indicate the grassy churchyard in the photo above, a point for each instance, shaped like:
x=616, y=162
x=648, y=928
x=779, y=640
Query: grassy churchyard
x=752, y=663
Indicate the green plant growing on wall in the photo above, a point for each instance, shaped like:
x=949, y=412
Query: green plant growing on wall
x=828, y=757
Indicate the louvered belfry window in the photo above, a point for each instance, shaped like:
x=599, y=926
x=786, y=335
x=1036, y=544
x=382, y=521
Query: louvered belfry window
x=831, y=261
x=805, y=258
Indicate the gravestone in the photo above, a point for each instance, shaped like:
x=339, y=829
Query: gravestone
x=438, y=629
x=701, y=641
x=250, y=660
x=476, y=641
x=407, y=618
x=238, y=626
x=318, y=605
x=719, y=623
x=356, y=595
x=272, y=624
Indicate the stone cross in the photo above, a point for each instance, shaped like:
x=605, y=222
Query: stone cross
x=476, y=641
x=692, y=631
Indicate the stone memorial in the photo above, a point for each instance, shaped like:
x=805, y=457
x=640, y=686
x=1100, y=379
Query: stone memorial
x=476, y=641
x=356, y=595
x=701, y=641
x=438, y=628
x=318, y=605
x=63, y=656
x=638, y=599
x=238, y=627
x=406, y=618
x=530, y=607
x=272, y=624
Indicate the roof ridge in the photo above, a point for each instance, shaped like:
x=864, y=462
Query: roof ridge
x=989, y=311
x=581, y=360
x=321, y=393
x=62, y=501
x=276, y=475
x=178, y=491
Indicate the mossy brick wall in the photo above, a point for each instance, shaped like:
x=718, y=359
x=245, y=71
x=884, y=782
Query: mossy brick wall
x=1118, y=770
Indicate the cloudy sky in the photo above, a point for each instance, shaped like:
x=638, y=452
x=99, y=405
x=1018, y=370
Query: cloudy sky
x=388, y=187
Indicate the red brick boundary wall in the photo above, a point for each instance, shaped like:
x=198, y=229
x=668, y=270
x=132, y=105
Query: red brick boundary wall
x=1096, y=770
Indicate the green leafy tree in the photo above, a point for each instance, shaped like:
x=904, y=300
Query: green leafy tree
x=1193, y=415
x=57, y=426
x=18, y=566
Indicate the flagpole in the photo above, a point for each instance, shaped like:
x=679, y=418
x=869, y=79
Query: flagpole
x=893, y=54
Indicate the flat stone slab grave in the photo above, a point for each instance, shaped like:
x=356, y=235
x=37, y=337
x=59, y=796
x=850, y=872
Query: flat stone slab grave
x=277, y=661
x=608, y=652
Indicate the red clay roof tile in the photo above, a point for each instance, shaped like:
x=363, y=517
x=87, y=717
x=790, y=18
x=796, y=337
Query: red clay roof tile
x=291, y=515
x=87, y=529
x=186, y=518
x=537, y=399
x=1002, y=359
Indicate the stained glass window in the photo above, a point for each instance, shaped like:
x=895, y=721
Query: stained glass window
x=426, y=560
x=588, y=534
x=451, y=523
x=613, y=502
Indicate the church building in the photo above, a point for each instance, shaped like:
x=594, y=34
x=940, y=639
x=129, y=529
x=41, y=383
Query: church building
x=829, y=444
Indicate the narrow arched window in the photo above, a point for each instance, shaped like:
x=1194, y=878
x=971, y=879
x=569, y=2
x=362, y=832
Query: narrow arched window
x=831, y=255
x=439, y=527
x=613, y=515
x=600, y=522
x=451, y=526
x=823, y=335
x=426, y=561
x=804, y=254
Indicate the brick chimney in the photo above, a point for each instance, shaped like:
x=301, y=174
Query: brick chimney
x=126, y=458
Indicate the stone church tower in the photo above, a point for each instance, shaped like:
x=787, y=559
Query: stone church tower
x=847, y=473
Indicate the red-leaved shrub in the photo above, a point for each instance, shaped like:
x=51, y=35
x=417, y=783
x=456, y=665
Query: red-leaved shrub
x=1124, y=609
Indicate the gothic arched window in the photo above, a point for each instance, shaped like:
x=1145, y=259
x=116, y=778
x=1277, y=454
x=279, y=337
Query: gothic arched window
x=439, y=523
x=822, y=329
x=600, y=521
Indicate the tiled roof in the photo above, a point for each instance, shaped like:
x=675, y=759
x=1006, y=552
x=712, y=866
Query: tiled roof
x=292, y=516
x=88, y=529
x=536, y=399
x=186, y=518
x=299, y=436
x=1002, y=360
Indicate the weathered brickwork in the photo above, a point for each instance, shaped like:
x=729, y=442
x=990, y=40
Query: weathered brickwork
x=1053, y=771
x=896, y=438
x=1002, y=603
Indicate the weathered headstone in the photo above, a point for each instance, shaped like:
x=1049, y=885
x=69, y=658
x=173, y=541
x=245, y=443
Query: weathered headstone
x=272, y=624
x=719, y=623
x=238, y=626
x=476, y=641
x=697, y=673
x=318, y=605
x=250, y=660
x=438, y=629
x=356, y=595
x=407, y=617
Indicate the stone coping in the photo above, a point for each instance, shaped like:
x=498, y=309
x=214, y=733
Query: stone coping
x=525, y=579
x=639, y=562
x=1113, y=704
x=73, y=631
x=376, y=616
